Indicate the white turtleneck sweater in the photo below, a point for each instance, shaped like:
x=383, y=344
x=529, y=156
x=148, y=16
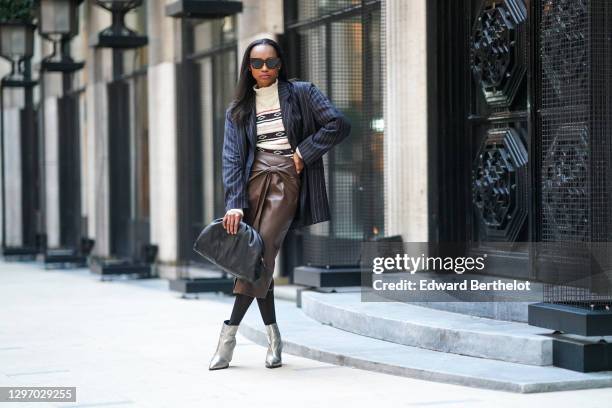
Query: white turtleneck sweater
x=271, y=135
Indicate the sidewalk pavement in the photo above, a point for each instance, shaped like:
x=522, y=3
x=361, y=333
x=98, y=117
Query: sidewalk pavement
x=134, y=343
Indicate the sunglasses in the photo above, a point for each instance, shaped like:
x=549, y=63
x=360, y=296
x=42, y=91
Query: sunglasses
x=271, y=62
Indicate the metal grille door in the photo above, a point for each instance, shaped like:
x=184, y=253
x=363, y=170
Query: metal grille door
x=575, y=160
x=338, y=45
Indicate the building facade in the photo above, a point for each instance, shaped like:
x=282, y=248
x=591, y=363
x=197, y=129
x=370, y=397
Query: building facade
x=459, y=110
x=129, y=146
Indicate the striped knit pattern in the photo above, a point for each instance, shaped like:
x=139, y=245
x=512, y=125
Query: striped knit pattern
x=271, y=135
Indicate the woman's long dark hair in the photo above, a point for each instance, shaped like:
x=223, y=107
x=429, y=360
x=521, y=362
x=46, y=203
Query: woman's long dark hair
x=245, y=96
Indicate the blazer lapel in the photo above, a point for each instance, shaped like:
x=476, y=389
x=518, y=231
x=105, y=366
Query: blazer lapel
x=284, y=97
x=251, y=128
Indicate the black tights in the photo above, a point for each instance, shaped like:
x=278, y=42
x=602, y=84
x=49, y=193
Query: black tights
x=266, y=307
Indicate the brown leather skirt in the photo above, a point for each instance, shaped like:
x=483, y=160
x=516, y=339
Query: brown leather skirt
x=274, y=191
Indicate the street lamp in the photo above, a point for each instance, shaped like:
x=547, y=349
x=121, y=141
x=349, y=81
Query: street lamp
x=17, y=45
x=118, y=35
x=58, y=22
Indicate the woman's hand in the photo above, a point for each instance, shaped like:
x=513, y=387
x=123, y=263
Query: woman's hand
x=299, y=163
x=231, y=221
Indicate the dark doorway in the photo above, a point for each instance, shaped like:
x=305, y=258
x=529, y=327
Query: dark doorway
x=481, y=129
x=69, y=170
x=208, y=78
x=128, y=166
x=337, y=46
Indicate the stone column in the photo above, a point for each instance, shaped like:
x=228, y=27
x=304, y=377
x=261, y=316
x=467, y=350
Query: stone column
x=51, y=84
x=406, y=120
x=162, y=134
x=51, y=165
x=12, y=161
x=98, y=71
x=13, y=176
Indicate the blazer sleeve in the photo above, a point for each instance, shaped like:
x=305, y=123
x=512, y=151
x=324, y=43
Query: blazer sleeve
x=334, y=127
x=234, y=163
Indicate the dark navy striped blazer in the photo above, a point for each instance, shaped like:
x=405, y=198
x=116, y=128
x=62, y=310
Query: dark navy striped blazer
x=312, y=123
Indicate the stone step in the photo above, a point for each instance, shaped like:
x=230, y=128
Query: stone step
x=431, y=329
x=304, y=336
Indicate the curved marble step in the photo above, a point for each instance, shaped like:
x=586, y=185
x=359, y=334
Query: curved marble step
x=431, y=329
x=305, y=337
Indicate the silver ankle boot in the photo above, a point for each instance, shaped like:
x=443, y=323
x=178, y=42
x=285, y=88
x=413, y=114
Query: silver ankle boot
x=225, y=347
x=275, y=346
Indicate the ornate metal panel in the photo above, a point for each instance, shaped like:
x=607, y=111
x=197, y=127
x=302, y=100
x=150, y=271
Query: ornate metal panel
x=497, y=49
x=497, y=128
x=500, y=184
x=537, y=76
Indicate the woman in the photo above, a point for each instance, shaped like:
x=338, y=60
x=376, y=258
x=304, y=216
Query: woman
x=276, y=133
